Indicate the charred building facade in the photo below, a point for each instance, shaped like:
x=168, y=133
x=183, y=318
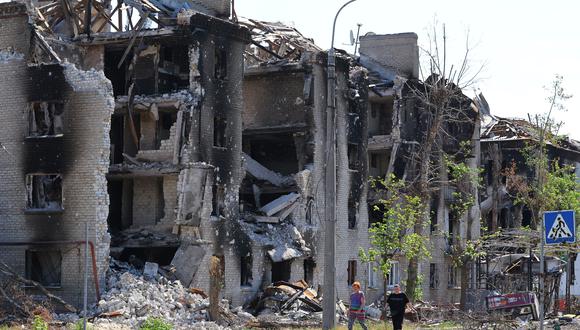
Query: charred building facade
x=399, y=121
x=132, y=135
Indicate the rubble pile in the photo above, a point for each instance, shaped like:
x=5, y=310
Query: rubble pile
x=132, y=297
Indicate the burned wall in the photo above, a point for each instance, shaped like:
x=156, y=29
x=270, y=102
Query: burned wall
x=264, y=105
x=79, y=156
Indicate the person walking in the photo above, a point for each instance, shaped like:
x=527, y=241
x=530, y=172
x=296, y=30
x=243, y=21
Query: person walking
x=356, y=311
x=397, y=302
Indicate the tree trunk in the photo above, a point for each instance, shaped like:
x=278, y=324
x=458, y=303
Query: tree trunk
x=464, y=284
x=215, y=283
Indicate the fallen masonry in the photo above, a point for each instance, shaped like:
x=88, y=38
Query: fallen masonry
x=131, y=298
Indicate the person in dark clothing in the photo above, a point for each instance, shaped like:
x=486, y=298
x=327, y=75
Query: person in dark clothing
x=397, y=302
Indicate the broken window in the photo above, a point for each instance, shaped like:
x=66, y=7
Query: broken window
x=219, y=132
x=434, y=211
x=45, y=119
x=351, y=271
x=433, y=276
x=309, y=266
x=352, y=206
x=44, y=267
x=394, y=274
x=374, y=160
x=376, y=212
x=452, y=276
x=221, y=67
x=217, y=196
x=281, y=271
x=246, y=262
x=352, y=156
x=44, y=192
x=372, y=280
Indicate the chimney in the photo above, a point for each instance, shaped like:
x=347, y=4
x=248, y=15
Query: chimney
x=398, y=52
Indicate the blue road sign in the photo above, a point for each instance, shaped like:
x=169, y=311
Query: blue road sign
x=559, y=227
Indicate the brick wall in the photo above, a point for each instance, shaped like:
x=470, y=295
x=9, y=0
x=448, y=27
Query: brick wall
x=88, y=105
x=148, y=203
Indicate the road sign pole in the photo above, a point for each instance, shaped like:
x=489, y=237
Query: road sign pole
x=543, y=238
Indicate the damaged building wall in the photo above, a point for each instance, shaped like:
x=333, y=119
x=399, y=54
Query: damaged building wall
x=393, y=64
x=79, y=156
x=294, y=121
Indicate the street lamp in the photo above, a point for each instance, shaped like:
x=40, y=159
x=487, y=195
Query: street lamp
x=329, y=302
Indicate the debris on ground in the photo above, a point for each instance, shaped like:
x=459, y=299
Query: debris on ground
x=131, y=297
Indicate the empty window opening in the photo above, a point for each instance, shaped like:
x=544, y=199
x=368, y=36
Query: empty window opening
x=121, y=204
x=376, y=213
x=433, y=212
x=381, y=115
x=44, y=267
x=219, y=132
x=221, y=66
x=374, y=160
x=526, y=217
x=173, y=71
x=44, y=192
x=164, y=124
x=351, y=270
x=118, y=77
x=452, y=275
x=137, y=256
x=353, y=161
x=433, y=276
x=394, y=276
x=45, y=119
x=276, y=152
x=246, y=262
x=217, y=200
x=352, y=211
x=451, y=228
x=309, y=266
x=281, y=271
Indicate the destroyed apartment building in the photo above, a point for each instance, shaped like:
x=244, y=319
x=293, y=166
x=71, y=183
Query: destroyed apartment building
x=132, y=128
x=397, y=121
x=510, y=264
x=171, y=134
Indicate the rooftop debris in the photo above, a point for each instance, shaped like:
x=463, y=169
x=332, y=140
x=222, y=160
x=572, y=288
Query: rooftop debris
x=275, y=43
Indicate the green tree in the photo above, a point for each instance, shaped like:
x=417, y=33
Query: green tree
x=393, y=235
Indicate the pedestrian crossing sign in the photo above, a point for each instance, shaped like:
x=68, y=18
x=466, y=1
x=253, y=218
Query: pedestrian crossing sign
x=559, y=227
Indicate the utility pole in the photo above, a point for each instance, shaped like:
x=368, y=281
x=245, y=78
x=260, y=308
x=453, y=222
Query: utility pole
x=329, y=302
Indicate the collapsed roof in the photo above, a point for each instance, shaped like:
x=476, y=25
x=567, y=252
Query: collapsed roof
x=275, y=42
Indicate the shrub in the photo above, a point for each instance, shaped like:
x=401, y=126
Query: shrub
x=154, y=323
x=39, y=323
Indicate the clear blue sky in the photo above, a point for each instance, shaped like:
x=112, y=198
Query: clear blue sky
x=522, y=43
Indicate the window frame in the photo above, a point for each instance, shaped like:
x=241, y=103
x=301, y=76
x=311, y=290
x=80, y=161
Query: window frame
x=28, y=202
x=31, y=109
x=27, y=267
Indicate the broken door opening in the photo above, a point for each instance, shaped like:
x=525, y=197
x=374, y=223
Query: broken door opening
x=309, y=266
x=246, y=262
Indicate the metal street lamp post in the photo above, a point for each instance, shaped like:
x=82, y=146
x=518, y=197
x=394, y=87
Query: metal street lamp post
x=329, y=303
